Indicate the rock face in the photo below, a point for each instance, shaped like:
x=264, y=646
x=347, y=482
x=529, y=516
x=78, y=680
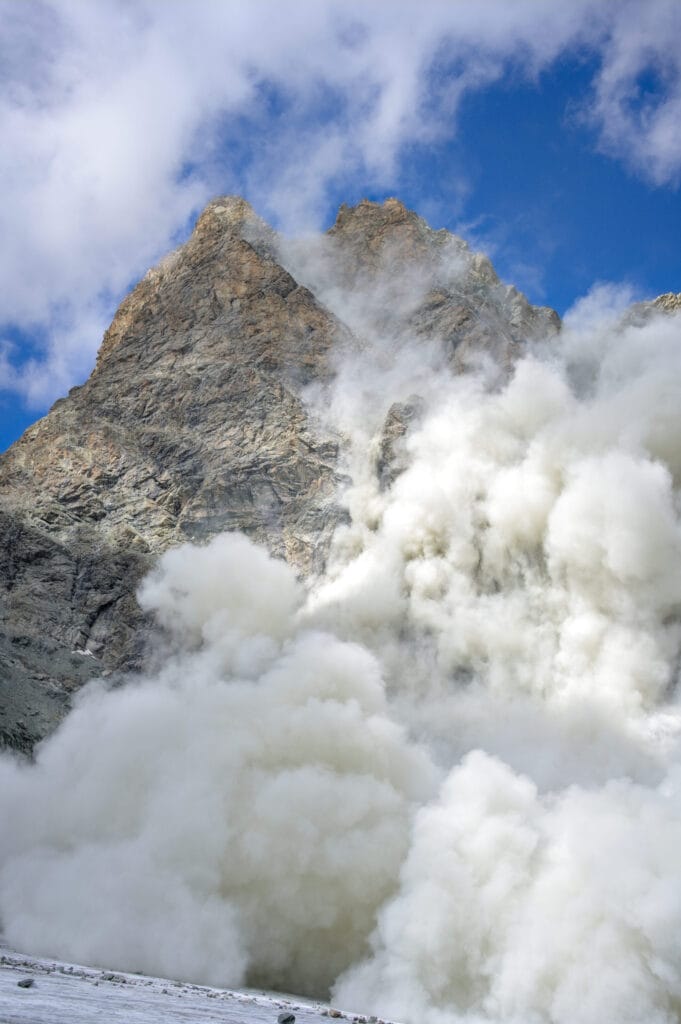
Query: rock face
x=397, y=423
x=389, y=273
x=640, y=312
x=194, y=421
x=670, y=302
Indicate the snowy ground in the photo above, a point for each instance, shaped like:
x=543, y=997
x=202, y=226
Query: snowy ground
x=64, y=993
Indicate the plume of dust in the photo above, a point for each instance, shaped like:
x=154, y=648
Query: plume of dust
x=211, y=831
x=444, y=781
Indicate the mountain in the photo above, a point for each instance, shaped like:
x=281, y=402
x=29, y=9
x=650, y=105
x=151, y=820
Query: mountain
x=198, y=419
x=420, y=691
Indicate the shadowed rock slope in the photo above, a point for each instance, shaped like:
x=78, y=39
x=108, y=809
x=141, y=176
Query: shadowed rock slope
x=194, y=421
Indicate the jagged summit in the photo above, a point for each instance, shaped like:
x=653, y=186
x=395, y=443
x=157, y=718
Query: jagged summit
x=195, y=421
x=373, y=215
x=670, y=302
x=232, y=210
x=368, y=227
x=430, y=282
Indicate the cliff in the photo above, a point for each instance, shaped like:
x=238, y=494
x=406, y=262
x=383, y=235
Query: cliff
x=195, y=421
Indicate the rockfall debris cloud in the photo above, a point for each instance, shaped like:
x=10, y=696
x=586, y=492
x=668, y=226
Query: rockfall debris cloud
x=442, y=781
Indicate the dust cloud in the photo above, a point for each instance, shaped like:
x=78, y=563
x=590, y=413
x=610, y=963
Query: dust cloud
x=440, y=783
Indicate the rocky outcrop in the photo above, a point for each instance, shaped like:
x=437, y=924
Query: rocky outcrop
x=190, y=424
x=194, y=421
x=670, y=302
x=390, y=462
x=387, y=272
x=641, y=312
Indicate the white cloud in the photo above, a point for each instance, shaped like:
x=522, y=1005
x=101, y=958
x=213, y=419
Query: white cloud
x=638, y=128
x=603, y=305
x=120, y=120
x=445, y=777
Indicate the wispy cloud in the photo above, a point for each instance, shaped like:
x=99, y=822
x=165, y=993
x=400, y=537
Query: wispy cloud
x=637, y=94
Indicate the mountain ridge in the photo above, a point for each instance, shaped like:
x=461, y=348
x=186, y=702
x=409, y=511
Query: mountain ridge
x=196, y=420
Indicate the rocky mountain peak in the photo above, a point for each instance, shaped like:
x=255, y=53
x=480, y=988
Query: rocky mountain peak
x=231, y=212
x=670, y=302
x=383, y=269
x=195, y=420
x=371, y=217
x=374, y=236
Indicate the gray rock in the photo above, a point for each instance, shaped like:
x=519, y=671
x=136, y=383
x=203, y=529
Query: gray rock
x=641, y=312
x=26, y=983
x=194, y=422
x=286, y=1018
x=390, y=462
x=191, y=423
x=394, y=274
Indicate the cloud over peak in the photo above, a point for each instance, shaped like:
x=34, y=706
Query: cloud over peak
x=119, y=121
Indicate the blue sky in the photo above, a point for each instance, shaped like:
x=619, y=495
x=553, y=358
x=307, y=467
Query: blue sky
x=547, y=137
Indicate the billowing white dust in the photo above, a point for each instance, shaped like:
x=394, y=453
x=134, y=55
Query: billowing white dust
x=442, y=782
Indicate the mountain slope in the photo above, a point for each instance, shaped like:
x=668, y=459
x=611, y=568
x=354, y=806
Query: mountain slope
x=78, y=995
x=194, y=421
